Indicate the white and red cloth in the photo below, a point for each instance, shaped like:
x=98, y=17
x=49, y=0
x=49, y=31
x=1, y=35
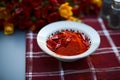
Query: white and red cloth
x=103, y=64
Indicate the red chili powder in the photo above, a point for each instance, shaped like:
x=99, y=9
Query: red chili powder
x=68, y=43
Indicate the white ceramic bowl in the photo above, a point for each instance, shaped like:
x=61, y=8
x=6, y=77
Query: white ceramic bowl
x=51, y=28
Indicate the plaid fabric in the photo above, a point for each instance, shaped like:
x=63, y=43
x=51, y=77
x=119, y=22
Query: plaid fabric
x=104, y=64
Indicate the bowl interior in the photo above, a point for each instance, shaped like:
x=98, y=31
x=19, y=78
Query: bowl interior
x=56, y=27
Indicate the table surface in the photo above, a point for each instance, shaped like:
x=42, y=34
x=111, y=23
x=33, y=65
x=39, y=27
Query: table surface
x=13, y=50
x=12, y=56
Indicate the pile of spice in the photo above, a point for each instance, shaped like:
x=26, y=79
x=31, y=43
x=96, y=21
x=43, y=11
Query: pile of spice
x=68, y=43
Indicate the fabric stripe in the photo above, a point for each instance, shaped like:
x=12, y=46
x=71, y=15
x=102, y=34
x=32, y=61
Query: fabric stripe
x=92, y=69
x=31, y=55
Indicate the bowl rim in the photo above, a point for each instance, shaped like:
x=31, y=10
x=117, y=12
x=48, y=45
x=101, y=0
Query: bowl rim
x=42, y=36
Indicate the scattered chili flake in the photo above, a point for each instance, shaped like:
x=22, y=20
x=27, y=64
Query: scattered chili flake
x=68, y=43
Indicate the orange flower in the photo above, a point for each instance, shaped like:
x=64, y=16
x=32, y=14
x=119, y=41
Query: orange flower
x=72, y=18
x=97, y=2
x=65, y=10
x=3, y=13
x=8, y=28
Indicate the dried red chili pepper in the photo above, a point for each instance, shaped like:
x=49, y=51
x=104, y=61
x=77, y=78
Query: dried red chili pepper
x=68, y=43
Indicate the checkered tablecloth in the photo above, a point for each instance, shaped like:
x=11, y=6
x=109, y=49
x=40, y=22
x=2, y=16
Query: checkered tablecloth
x=103, y=64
